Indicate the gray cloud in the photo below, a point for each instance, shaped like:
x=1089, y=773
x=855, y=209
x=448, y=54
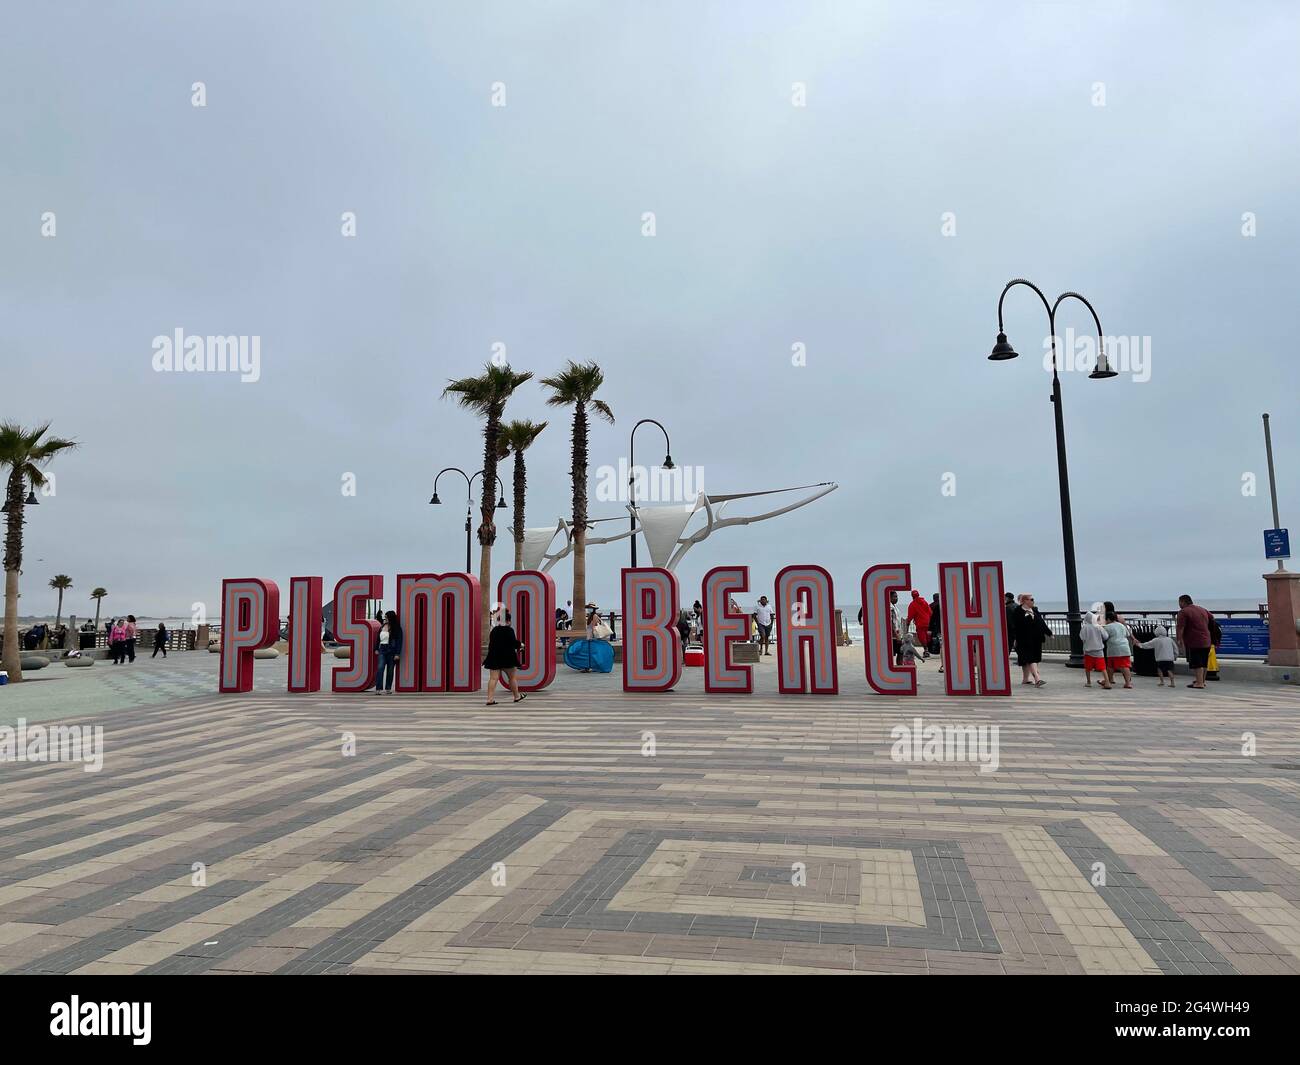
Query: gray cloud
x=776, y=225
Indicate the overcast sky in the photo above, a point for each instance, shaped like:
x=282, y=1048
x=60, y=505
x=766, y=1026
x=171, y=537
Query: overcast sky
x=1110, y=148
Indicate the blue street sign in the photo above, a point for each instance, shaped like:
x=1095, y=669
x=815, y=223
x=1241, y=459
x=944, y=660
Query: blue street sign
x=1243, y=636
x=1277, y=543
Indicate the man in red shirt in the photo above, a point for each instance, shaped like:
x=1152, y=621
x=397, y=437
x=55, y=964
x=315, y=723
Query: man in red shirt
x=1193, y=628
x=918, y=613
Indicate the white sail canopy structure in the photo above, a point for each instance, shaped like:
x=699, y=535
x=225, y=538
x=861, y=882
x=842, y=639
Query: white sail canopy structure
x=537, y=541
x=664, y=526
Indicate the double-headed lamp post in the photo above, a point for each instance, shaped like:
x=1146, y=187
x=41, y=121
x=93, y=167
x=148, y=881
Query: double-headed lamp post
x=1002, y=351
x=30, y=501
x=631, y=473
x=469, y=502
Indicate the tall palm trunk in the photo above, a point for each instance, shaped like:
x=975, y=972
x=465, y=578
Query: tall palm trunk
x=580, y=512
x=487, y=530
x=13, y=561
x=58, y=618
x=98, y=604
x=520, y=491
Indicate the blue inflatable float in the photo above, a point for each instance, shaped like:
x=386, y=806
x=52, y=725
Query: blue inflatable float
x=596, y=655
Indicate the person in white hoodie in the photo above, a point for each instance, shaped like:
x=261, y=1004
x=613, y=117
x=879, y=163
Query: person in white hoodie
x=1094, y=647
x=1165, y=652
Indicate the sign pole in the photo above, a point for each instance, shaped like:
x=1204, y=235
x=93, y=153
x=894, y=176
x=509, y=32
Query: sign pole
x=1272, y=481
x=1283, y=588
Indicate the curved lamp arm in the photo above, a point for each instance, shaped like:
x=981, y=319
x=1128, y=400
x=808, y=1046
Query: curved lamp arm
x=1103, y=363
x=668, y=444
x=1021, y=281
x=452, y=469
x=1050, y=308
x=631, y=449
x=500, y=486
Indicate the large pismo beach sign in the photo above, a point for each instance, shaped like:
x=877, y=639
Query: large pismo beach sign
x=441, y=618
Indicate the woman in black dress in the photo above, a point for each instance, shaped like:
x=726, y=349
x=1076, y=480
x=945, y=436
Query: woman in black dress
x=1029, y=630
x=502, y=657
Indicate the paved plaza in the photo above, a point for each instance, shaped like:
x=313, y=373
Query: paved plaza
x=590, y=831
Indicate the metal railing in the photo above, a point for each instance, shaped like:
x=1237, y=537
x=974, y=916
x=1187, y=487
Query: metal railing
x=1142, y=622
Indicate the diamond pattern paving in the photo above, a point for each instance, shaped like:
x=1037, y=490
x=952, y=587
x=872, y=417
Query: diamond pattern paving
x=765, y=834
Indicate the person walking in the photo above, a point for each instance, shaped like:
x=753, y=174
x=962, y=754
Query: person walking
x=936, y=629
x=1165, y=653
x=117, y=642
x=763, y=617
x=130, y=637
x=1193, y=628
x=503, y=657
x=1094, y=648
x=918, y=614
x=390, y=651
x=1118, y=653
x=160, y=641
x=684, y=628
x=1030, y=630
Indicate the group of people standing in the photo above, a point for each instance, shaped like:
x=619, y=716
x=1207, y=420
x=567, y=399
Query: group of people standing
x=917, y=631
x=122, y=636
x=1109, y=640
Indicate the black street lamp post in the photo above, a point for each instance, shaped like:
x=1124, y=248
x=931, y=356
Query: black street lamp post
x=1002, y=351
x=631, y=473
x=469, y=502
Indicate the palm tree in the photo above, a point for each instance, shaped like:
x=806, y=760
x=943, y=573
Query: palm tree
x=486, y=396
x=62, y=582
x=98, y=595
x=516, y=437
x=24, y=452
x=576, y=386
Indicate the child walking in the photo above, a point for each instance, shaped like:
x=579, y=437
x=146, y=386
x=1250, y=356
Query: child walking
x=1118, y=656
x=1165, y=653
x=907, y=651
x=1094, y=651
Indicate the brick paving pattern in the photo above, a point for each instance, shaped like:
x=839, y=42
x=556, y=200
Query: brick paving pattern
x=1124, y=832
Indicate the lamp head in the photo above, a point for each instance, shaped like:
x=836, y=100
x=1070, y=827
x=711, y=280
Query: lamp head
x=435, y=501
x=1002, y=350
x=668, y=462
x=1102, y=370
